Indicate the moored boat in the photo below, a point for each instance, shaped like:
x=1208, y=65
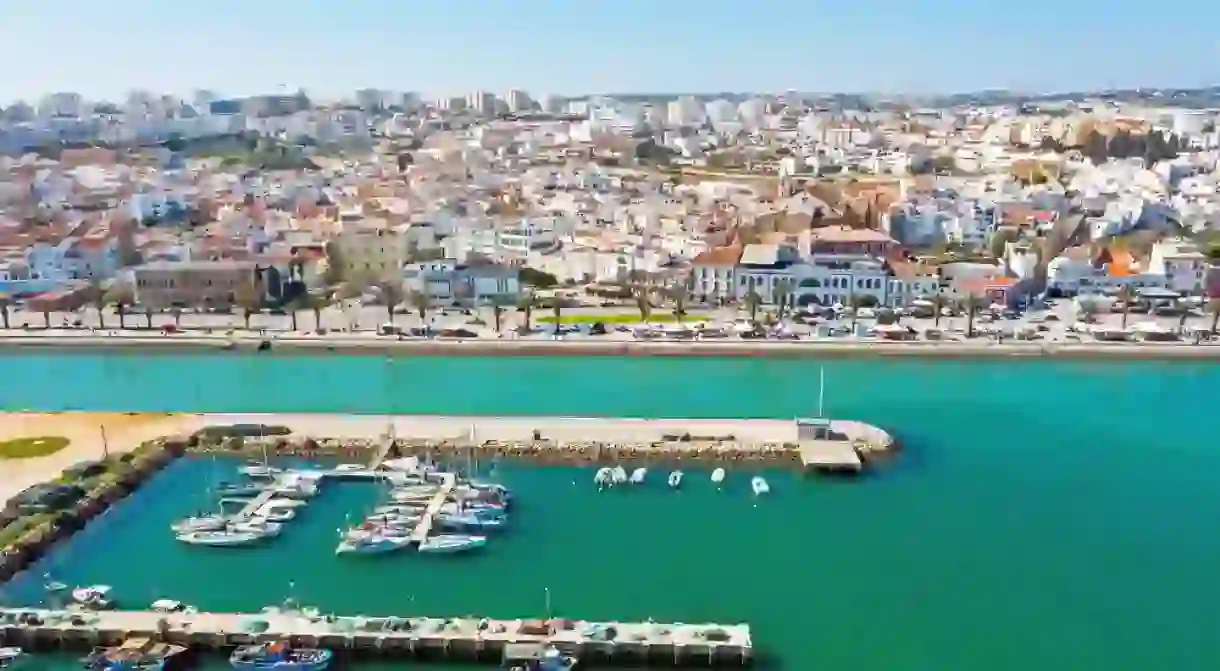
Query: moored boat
x=258, y=525
x=201, y=523
x=240, y=489
x=279, y=656
x=603, y=477
x=675, y=479
x=134, y=654
x=452, y=543
x=9, y=657
x=468, y=522
x=96, y=597
x=638, y=475
x=224, y=538
x=718, y=476
x=535, y=657
x=618, y=475
x=371, y=543
x=759, y=485
x=258, y=469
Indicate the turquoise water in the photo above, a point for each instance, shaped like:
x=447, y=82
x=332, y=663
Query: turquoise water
x=1044, y=515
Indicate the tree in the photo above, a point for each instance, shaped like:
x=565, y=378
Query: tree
x=536, y=278
x=392, y=293
x=971, y=305
x=1000, y=239
x=938, y=304
x=5, y=302
x=120, y=297
x=176, y=313
x=643, y=304
x=1126, y=296
x=317, y=302
x=497, y=315
x=249, y=299
x=679, y=296
x=148, y=316
x=753, y=303
x=783, y=295
x=333, y=274
x=293, y=307
x=98, y=297
x=557, y=308
x=526, y=304
x=1214, y=306
x=420, y=301
x=855, y=302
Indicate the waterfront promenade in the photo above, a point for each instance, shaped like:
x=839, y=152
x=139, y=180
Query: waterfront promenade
x=145, y=342
x=454, y=638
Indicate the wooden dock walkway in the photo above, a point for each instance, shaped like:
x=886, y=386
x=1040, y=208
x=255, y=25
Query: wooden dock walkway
x=258, y=502
x=457, y=638
x=424, y=527
x=830, y=455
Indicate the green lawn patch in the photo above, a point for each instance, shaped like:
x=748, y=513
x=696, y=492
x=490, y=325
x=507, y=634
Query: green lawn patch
x=624, y=318
x=37, y=446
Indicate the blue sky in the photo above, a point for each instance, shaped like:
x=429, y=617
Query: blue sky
x=106, y=47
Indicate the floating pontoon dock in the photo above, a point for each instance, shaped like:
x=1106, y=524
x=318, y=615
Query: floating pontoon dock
x=441, y=638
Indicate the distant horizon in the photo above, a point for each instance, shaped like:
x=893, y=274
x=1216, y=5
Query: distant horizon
x=327, y=48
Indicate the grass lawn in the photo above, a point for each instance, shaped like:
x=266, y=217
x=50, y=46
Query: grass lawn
x=621, y=318
x=39, y=446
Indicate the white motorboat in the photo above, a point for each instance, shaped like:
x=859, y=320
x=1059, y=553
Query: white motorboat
x=275, y=513
x=638, y=475
x=452, y=543
x=297, y=486
x=202, y=523
x=759, y=485
x=618, y=475
x=399, y=510
x=225, y=538
x=350, y=468
x=603, y=477
x=372, y=543
x=260, y=470
x=258, y=525
x=96, y=597
x=171, y=606
x=8, y=656
x=675, y=479
x=718, y=476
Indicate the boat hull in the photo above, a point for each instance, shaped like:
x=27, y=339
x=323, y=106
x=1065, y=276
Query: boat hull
x=322, y=661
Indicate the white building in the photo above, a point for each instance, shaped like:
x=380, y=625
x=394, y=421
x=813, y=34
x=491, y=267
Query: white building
x=1181, y=263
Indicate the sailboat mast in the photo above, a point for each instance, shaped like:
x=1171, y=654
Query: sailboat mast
x=821, y=391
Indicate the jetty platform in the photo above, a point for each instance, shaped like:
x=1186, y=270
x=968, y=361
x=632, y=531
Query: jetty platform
x=468, y=639
x=424, y=527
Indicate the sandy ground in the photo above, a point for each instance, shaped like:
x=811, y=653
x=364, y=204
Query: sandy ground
x=123, y=433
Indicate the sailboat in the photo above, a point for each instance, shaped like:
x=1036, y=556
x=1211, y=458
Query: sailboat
x=603, y=478
x=262, y=470
x=213, y=522
x=718, y=476
x=638, y=475
x=675, y=479
x=618, y=475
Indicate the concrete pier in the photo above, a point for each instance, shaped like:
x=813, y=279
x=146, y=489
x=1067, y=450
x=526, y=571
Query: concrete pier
x=424, y=527
x=468, y=639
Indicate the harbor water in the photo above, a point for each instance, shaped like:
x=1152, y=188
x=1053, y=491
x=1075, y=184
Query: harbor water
x=1043, y=515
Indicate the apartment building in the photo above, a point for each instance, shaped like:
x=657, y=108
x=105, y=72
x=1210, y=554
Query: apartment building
x=167, y=284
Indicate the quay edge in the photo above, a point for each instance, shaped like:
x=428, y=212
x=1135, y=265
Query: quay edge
x=442, y=639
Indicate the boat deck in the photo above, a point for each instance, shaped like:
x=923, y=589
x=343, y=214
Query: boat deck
x=839, y=455
x=424, y=527
x=711, y=643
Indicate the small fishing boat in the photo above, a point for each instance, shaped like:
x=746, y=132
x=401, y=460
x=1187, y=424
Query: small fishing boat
x=618, y=475
x=201, y=523
x=297, y=486
x=718, y=476
x=350, y=468
x=171, y=606
x=225, y=538
x=135, y=654
x=9, y=657
x=54, y=586
x=279, y=656
x=603, y=478
x=759, y=485
x=535, y=657
x=371, y=543
x=675, y=479
x=95, y=597
x=638, y=475
x=452, y=543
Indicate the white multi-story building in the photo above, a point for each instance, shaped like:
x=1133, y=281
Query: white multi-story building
x=518, y=101
x=1181, y=263
x=685, y=111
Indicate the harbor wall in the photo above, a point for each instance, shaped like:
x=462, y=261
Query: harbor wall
x=118, y=478
x=820, y=349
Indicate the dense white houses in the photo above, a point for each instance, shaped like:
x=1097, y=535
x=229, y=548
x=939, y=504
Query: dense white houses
x=447, y=282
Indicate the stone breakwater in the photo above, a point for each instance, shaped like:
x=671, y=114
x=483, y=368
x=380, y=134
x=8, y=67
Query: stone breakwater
x=32, y=523
x=820, y=349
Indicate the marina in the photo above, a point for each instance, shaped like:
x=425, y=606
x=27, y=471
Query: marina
x=469, y=639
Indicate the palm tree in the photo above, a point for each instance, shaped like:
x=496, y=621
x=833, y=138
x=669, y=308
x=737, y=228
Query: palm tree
x=249, y=299
x=1126, y=296
x=855, y=302
x=148, y=316
x=317, y=301
x=783, y=294
x=938, y=304
x=392, y=293
x=294, y=306
x=526, y=304
x=176, y=313
x=557, y=308
x=5, y=302
x=120, y=297
x=421, y=301
x=972, y=305
x=497, y=314
x=753, y=303
x=98, y=298
x=679, y=296
x=641, y=302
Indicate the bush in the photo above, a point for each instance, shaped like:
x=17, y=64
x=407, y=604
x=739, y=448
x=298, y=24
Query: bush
x=241, y=431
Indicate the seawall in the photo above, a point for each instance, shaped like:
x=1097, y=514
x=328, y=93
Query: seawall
x=819, y=349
